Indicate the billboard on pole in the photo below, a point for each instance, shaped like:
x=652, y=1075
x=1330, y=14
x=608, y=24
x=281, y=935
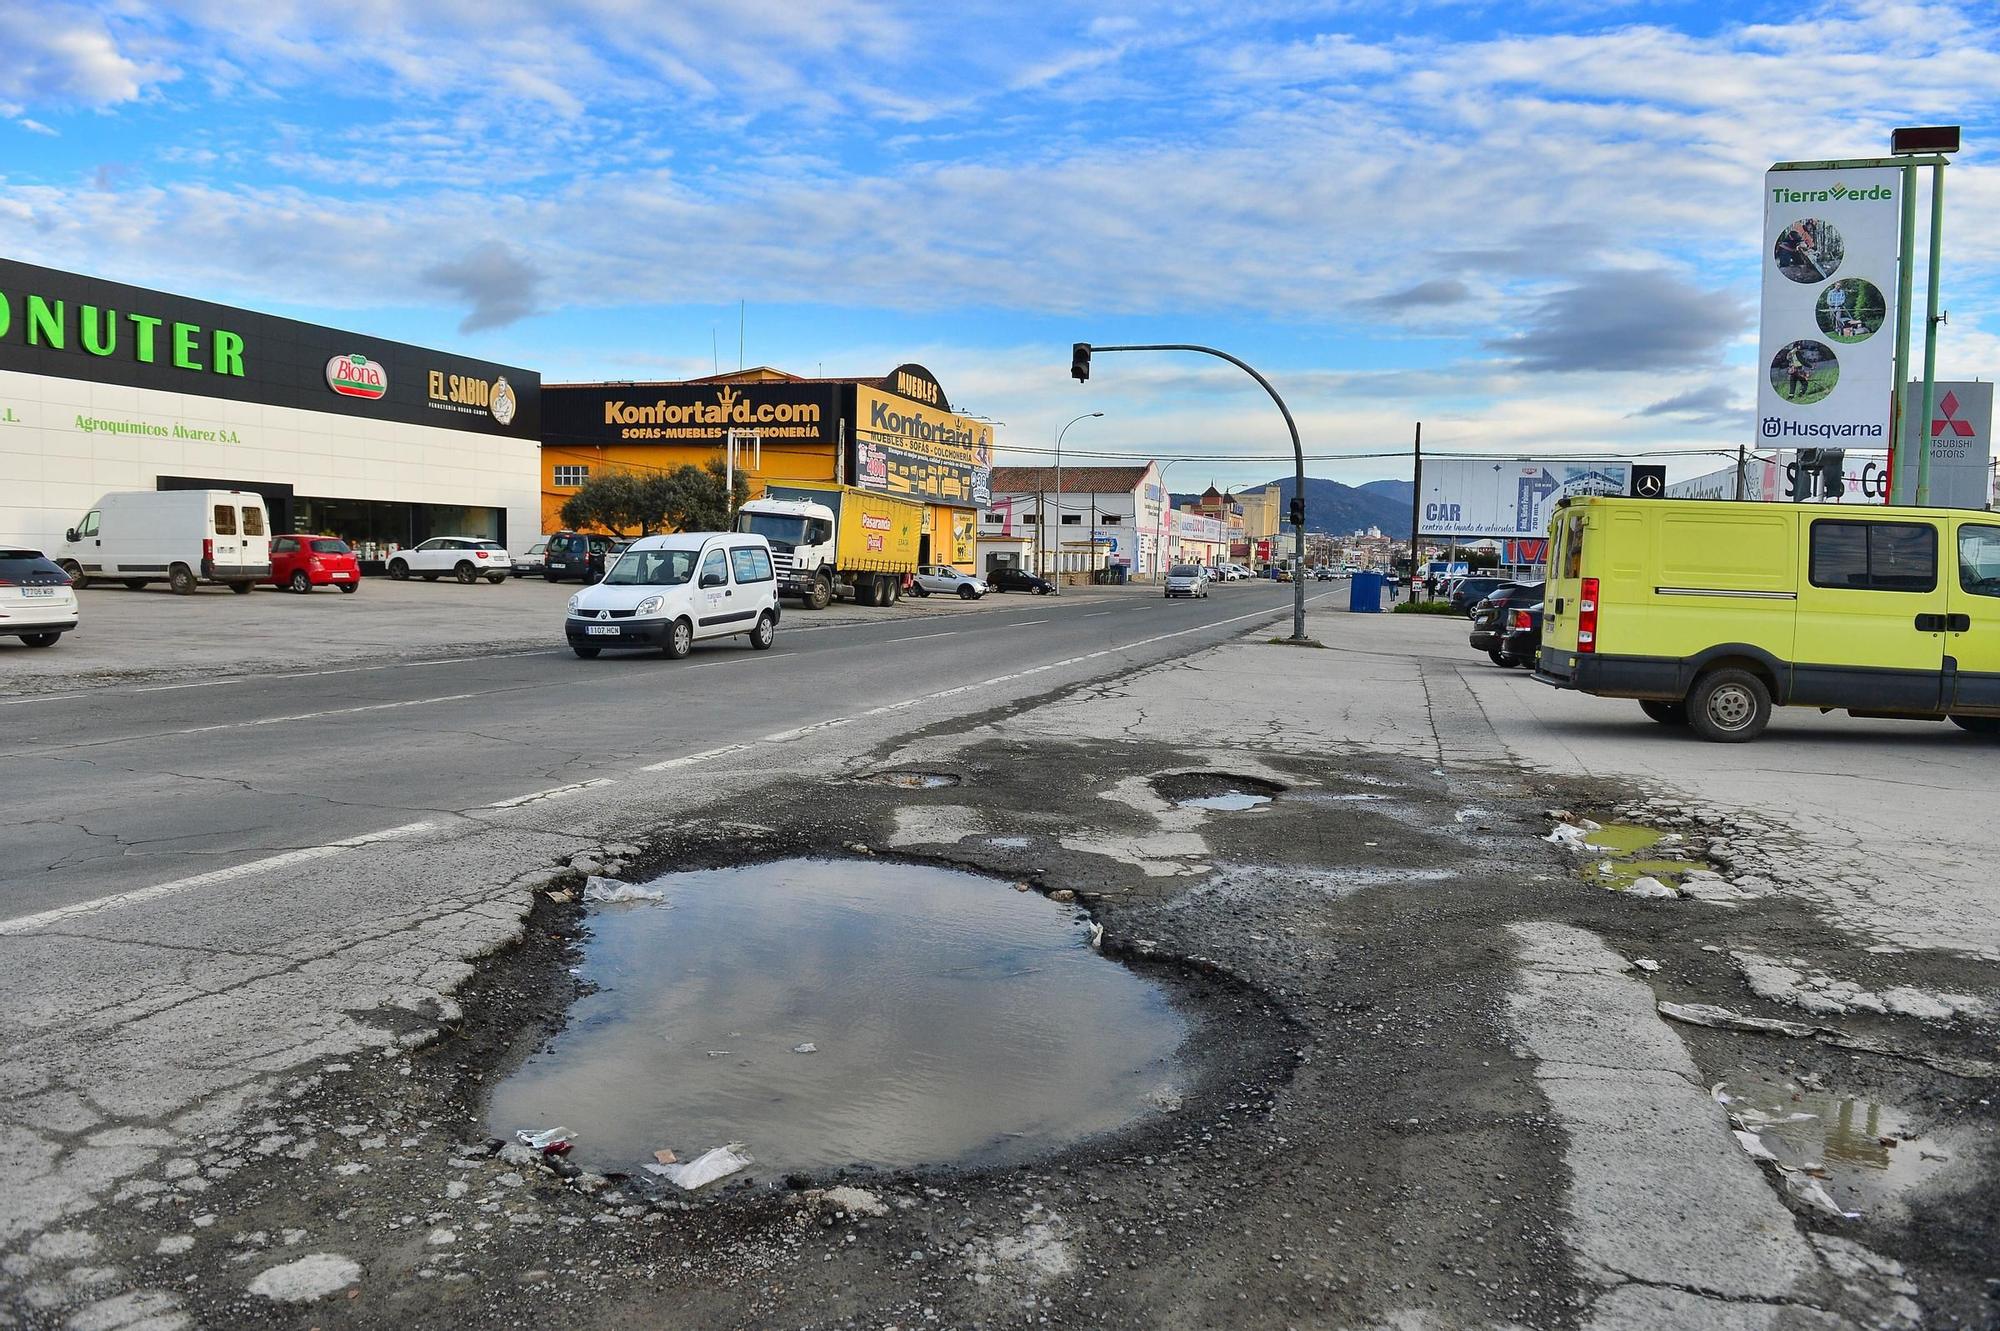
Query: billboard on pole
x=1509, y=496
x=1826, y=355
x=1960, y=439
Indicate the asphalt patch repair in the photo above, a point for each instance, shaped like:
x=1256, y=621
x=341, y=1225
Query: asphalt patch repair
x=1356, y=1140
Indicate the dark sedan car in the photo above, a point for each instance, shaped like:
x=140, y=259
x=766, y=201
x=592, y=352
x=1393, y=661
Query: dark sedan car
x=1522, y=643
x=1006, y=579
x=1468, y=592
x=1489, y=616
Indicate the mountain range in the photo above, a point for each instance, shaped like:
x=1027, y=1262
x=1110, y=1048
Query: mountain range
x=1332, y=506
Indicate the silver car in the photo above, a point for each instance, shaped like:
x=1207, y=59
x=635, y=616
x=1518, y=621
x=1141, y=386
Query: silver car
x=947, y=581
x=1187, y=580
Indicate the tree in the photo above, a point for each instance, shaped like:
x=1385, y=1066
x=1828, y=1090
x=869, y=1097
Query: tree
x=613, y=501
x=699, y=498
x=688, y=498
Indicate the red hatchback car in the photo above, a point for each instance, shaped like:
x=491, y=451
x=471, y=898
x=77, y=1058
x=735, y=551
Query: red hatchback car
x=304, y=562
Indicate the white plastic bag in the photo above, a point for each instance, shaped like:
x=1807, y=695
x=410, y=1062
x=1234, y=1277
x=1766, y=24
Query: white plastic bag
x=705, y=1168
x=611, y=890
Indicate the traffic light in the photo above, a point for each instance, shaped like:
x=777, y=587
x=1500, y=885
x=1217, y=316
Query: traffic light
x=1298, y=510
x=1832, y=471
x=1079, y=361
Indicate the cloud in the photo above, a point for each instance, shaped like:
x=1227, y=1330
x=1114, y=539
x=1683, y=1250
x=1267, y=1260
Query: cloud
x=37, y=127
x=500, y=283
x=1626, y=321
x=59, y=57
x=1436, y=291
x=1709, y=402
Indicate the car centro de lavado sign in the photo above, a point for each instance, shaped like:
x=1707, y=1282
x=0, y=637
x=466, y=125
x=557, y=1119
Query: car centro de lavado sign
x=1474, y=497
x=905, y=446
x=1826, y=374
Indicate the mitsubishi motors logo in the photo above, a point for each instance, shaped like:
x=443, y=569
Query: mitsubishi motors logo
x=1949, y=408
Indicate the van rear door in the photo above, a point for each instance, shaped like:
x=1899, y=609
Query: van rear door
x=1972, y=636
x=225, y=538
x=1872, y=614
x=254, y=551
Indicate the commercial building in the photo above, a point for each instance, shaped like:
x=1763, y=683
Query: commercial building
x=109, y=387
x=1100, y=518
x=896, y=433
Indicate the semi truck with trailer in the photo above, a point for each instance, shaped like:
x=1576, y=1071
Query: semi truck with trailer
x=837, y=540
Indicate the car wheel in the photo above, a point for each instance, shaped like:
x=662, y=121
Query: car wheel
x=40, y=639
x=135, y=584
x=240, y=588
x=398, y=570
x=918, y=590
x=764, y=634
x=181, y=579
x=496, y=578
x=549, y=577
x=1497, y=657
x=466, y=573
x=1729, y=706
x=349, y=588
x=1666, y=713
x=76, y=575
x=680, y=640
x=1978, y=725
x=965, y=593
x=822, y=594
x=587, y=653
x=300, y=582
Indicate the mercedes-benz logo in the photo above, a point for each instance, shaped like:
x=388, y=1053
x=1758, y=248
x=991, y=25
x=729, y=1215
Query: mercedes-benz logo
x=1648, y=486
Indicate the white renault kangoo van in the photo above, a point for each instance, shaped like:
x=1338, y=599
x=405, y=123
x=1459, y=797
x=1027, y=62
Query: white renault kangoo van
x=669, y=592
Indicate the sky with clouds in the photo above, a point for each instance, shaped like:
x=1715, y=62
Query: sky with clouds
x=1530, y=225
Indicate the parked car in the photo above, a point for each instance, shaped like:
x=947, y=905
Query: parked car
x=579, y=556
x=1467, y=591
x=1521, y=645
x=181, y=537
x=1239, y=572
x=303, y=561
x=1281, y=573
x=37, y=600
x=530, y=561
x=1007, y=578
x=669, y=592
x=1187, y=580
x=467, y=558
x=1491, y=617
x=946, y=581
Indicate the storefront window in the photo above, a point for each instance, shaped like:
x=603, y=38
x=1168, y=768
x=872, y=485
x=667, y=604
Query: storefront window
x=377, y=528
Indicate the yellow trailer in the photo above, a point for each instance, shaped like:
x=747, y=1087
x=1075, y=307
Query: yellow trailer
x=830, y=540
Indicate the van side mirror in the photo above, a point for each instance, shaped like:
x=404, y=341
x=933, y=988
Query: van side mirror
x=713, y=579
x=71, y=536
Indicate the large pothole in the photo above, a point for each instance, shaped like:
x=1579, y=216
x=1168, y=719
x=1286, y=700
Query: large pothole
x=831, y=1012
x=1223, y=792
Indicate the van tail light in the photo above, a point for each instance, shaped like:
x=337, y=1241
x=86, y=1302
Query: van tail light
x=1523, y=620
x=208, y=549
x=1586, y=617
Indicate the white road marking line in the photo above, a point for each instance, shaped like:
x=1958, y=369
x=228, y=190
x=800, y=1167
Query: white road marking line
x=341, y=711
x=1024, y=623
x=919, y=637
x=690, y=759
x=553, y=792
x=1095, y=613
x=51, y=697
x=786, y=736
x=28, y=923
x=198, y=684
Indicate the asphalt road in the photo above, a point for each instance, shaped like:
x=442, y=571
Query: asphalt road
x=126, y=787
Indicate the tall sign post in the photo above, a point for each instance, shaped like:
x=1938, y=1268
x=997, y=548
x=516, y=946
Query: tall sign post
x=1079, y=369
x=1940, y=140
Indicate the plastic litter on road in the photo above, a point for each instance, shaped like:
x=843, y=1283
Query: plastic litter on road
x=705, y=1168
x=1722, y=1019
x=549, y=1141
x=610, y=891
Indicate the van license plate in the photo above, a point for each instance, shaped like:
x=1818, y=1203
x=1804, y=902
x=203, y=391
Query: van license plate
x=604, y=630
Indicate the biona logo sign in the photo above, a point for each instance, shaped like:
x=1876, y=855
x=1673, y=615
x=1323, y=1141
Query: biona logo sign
x=356, y=376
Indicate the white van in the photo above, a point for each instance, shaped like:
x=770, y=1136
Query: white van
x=179, y=537
x=667, y=592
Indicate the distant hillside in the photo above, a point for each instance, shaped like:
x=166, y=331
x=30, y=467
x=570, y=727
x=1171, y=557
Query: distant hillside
x=1334, y=507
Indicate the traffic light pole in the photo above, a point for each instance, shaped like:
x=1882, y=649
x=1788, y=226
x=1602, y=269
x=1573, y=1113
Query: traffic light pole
x=1081, y=358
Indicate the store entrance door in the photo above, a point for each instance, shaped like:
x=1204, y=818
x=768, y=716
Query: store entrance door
x=924, y=549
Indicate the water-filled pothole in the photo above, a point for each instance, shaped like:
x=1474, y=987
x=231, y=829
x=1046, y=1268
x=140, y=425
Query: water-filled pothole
x=1222, y=791
x=913, y=780
x=952, y=1021
x=1859, y=1151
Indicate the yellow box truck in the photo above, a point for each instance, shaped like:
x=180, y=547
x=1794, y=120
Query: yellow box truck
x=1711, y=613
x=837, y=540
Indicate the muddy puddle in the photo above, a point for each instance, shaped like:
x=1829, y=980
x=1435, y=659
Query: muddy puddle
x=1864, y=1154
x=913, y=780
x=947, y=1019
x=1227, y=801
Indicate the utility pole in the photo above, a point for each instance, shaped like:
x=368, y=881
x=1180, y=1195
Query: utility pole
x=1080, y=355
x=1416, y=506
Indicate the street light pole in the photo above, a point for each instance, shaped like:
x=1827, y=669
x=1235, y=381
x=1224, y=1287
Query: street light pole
x=1160, y=536
x=1059, y=495
x=1084, y=350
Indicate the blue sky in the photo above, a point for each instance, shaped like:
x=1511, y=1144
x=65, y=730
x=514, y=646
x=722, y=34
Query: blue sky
x=1529, y=225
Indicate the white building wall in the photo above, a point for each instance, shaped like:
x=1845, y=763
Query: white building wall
x=54, y=465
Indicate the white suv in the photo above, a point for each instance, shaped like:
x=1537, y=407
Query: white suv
x=37, y=602
x=667, y=591
x=468, y=558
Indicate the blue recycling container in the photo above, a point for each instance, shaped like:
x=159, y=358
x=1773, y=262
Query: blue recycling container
x=1364, y=594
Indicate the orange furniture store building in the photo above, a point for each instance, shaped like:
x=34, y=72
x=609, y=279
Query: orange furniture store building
x=895, y=434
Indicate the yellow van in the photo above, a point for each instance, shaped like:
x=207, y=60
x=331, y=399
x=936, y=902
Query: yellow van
x=1709, y=613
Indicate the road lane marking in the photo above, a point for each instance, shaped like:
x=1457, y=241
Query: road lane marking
x=919, y=637
x=690, y=759
x=1095, y=613
x=50, y=697
x=28, y=923
x=553, y=792
x=1024, y=623
x=338, y=711
x=198, y=684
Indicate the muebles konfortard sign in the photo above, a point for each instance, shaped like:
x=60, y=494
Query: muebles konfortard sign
x=1826, y=359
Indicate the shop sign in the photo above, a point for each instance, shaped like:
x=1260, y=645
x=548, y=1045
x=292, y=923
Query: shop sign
x=356, y=376
x=503, y=403
x=907, y=448
x=33, y=319
x=917, y=384
x=691, y=413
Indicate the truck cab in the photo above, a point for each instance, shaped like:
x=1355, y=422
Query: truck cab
x=801, y=535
